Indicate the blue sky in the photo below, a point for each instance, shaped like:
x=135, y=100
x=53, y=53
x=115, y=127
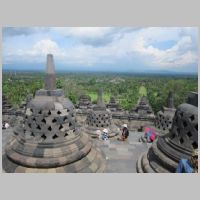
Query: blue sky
x=123, y=49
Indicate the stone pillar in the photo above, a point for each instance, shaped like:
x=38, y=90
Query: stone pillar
x=170, y=100
x=100, y=101
x=50, y=78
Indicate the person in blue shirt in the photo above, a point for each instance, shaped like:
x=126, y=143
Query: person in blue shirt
x=189, y=166
x=104, y=135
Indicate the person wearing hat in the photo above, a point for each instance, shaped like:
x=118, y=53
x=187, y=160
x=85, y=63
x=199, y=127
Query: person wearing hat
x=125, y=133
x=98, y=133
x=104, y=135
x=189, y=166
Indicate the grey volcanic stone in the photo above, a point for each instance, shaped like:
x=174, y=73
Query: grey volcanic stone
x=193, y=99
x=50, y=79
x=142, y=111
x=84, y=102
x=170, y=100
x=100, y=118
x=164, y=118
x=165, y=153
x=113, y=106
x=49, y=139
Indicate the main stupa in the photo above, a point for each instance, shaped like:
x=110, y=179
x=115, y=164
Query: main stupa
x=49, y=139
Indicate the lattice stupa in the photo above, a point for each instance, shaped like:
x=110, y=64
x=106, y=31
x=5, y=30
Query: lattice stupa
x=49, y=139
x=100, y=118
x=165, y=153
x=164, y=118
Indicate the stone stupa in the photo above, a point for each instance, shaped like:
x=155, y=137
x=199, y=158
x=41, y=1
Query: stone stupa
x=100, y=118
x=84, y=102
x=142, y=111
x=49, y=139
x=113, y=106
x=164, y=118
x=165, y=153
x=6, y=107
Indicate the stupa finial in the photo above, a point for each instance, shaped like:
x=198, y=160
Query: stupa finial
x=50, y=78
x=170, y=100
x=100, y=101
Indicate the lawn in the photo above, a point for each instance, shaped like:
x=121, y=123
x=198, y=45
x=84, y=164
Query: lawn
x=142, y=91
x=93, y=95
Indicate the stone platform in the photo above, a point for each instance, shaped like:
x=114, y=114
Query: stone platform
x=120, y=157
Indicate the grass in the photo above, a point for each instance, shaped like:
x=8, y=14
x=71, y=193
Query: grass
x=142, y=91
x=93, y=95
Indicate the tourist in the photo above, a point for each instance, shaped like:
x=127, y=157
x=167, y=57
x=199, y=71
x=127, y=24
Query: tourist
x=125, y=133
x=104, y=135
x=189, y=165
x=98, y=132
x=149, y=134
x=7, y=125
x=3, y=125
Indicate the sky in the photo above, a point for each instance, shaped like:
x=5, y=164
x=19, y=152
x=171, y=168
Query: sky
x=112, y=49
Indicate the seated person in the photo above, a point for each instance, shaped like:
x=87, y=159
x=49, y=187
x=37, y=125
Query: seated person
x=189, y=166
x=98, y=132
x=104, y=135
x=125, y=133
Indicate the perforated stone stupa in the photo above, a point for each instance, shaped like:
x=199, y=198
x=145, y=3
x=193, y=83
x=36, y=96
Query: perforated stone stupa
x=164, y=118
x=100, y=118
x=165, y=153
x=49, y=140
x=142, y=111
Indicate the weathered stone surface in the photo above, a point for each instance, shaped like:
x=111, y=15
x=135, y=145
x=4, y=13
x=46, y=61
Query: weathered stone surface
x=170, y=100
x=49, y=140
x=84, y=102
x=165, y=153
x=100, y=101
x=142, y=111
x=50, y=79
x=6, y=107
x=113, y=106
x=164, y=118
x=193, y=98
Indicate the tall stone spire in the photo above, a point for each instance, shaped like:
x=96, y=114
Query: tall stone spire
x=50, y=78
x=170, y=100
x=100, y=101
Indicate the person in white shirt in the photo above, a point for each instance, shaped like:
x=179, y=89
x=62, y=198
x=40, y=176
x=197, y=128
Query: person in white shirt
x=7, y=125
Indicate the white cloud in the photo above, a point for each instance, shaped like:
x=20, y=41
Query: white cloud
x=84, y=32
x=100, y=45
x=180, y=54
x=46, y=46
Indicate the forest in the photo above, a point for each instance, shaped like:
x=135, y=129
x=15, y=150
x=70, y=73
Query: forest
x=126, y=88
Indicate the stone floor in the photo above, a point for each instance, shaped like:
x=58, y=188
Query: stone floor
x=121, y=156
